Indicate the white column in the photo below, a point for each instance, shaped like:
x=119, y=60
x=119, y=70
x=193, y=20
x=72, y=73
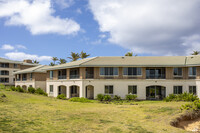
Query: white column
x=68, y=92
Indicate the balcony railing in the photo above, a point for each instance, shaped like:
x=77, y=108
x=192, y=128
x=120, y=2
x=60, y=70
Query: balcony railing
x=62, y=77
x=17, y=79
x=156, y=76
x=24, y=79
x=74, y=76
x=89, y=76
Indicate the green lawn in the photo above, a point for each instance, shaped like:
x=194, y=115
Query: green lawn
x=31, y=113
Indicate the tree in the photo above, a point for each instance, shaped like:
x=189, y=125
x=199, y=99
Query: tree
x=54, y=60
x=196, y=53
x=51, y=64
x=62, y=61
x=129, y=54
x=74, y=56
x=84, y=55
x=35, y=61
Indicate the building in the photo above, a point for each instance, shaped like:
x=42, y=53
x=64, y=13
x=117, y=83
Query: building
x=148, y=77
x=32, y=77
x=8, y=67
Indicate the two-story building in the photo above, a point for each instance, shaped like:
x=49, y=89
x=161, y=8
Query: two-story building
x=148, y=77
x=32, y=77
x=8, y=67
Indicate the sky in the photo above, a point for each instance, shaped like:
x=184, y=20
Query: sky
x=42, y=29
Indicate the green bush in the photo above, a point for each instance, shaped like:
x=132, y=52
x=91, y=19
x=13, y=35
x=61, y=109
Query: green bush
x=191, y=106
x=40, y=92
x=100, y=97
x=107, y=98
x=2, y=86
x=2, y=95
x=117, y=98
x=31, y=90
x=189, y=97
x=61, y=96
x=131, y=97
x=78, y=99
x=19, y=89
x=13, y=88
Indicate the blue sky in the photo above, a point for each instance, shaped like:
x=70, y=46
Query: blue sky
x=41, y=29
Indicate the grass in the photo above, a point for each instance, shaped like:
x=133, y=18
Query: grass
x=32, y=113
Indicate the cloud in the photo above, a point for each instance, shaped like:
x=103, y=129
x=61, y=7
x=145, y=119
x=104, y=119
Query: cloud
x=154, y=27
x=21, y=47
x=36, y=16
x=7, y=47
x=22, y=56
x=79, y=11
x=64, y=3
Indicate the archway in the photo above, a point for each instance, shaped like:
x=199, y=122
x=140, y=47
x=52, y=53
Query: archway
x=155, y=92
x=74, y=91
x=89, y=92
x=24, y=87
x=62, y=90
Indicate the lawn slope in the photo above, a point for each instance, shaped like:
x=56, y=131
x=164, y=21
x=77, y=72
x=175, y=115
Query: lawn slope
x=31, y=113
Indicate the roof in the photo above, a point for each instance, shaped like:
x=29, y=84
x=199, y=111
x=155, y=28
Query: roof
x=3, y=60
x=134, y=61
x=37, y=69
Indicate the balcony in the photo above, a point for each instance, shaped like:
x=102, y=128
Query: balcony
x=155, y=73
x=74, y=76
x=89, y=76
x=24, y=79
x=17, y=79
x=156, y=76
x=62, y=77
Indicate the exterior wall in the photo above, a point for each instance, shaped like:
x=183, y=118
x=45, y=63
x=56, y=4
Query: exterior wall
x=27, y=84
x=121, y=86
x=40, y=84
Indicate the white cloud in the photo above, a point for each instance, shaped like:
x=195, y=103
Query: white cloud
x=150, y=26
x=102, y=36
x=64, y=3
x=7, y=47
x=21, y=46
x=22, y=56
x=79, y=11
x=36, y=16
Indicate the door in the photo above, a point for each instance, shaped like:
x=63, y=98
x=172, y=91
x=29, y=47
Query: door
x=90, y=92
x=152, y=92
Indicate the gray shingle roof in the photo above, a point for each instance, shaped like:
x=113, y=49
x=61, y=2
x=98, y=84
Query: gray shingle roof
x=37, y=69
x=3, y=60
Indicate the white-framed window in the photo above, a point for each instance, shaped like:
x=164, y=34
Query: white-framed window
x=132, y=89
x=192, y=89
x=109, y=71
x=51, y=88
x=51, y=74
x=108, y=89
x=177, y=71
x=132, y=71
x=178, y=89
x=192, y=71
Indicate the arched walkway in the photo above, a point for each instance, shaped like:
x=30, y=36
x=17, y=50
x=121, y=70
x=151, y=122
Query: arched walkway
x=74, y=91
x=62, y=90
x=89, y=91
x=155, y=92
x=24, y=87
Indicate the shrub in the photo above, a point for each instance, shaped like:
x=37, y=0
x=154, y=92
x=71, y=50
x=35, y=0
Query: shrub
x=2, y=86
x=100, y=97
x=2, y=95
x=78, y=99
x=13, y=88
x=117, y=98
x=19, y=89
x=61, y=96
x=181, y=97
x=131, y=97
x=31, y=90
x=40, y=92
x=191, y=106
x=107, y=98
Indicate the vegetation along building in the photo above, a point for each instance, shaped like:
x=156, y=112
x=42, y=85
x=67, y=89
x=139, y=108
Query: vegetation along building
x=32, y=77
x=8, y=67
x=148, y=77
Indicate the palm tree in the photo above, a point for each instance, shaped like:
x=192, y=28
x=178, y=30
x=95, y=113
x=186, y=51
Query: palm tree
x=196, y=53
x=35, y=61
x=62, y=61
x=129, y=54
x=54, y=60
x=84, y=55
x=51, y=64
x=74, y=56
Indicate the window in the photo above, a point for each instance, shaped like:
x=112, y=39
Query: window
x=178, y=90
x=4, y=80
x=31, y=86
x=4, y=65
x=62, y=74
x=51, y=74
x=192, y=71
x=31, y=76
x=24, y=77
x=74, y=73
x=132, y=89
x=108, y=89
x=192, y=89
x=4, y=72
x=177, y=71
x=15, y=66
x=155, y=73
x=51, y=88
x=132, y=71
x=109, y=71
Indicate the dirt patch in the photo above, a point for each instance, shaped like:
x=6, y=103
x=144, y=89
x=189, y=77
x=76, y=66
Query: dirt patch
x=191, y=125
